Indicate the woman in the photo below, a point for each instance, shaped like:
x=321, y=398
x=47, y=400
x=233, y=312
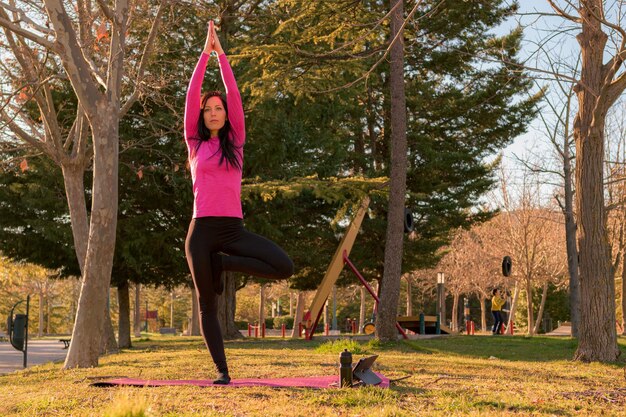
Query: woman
x=217, y=240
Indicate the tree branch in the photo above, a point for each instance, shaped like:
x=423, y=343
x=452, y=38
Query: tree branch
x=564, y=14
x=106, y=10
x=145, y=57
x=5, y=23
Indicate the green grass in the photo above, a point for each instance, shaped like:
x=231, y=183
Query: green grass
x=449, y=376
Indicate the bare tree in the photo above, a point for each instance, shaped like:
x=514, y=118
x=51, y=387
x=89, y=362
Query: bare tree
x=88, y=46
x=534, y=238
x=602, y=81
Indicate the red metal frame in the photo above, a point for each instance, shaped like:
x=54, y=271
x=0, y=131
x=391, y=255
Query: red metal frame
x=369, y=289
x=308, y=333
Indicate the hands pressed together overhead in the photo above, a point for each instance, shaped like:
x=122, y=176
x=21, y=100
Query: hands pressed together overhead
x=212, y=43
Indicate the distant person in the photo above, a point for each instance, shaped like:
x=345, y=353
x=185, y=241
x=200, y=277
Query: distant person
x=497, y=302
x=217, y=241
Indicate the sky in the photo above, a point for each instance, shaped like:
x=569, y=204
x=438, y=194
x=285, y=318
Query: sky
x=538, y=29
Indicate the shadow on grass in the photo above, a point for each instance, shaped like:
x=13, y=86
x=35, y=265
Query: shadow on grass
x=497, y=406
x=512, y=348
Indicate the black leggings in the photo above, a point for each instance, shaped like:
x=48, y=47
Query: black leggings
x=248, y=253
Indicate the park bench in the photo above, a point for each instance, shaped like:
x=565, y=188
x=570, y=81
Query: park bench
x=167, y=330
x=66, y=343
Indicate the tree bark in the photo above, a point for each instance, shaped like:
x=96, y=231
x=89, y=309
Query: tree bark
x=108, y=344
x=226, y=306
x=529, y=307
x=362, y=309
x=570, y=238
x=137, y=318
x=40, y=327
x=597, y=335
x=262, y=305
x=295, y=333
x=455, y=311
x=124, y=314
x=409, y=297
x=85, y=345
x=544, y=296
x=73, y=178
x=511, y=321
x=390, y=288
x=483, y=314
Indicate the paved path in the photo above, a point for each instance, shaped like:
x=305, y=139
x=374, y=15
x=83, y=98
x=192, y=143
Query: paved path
x=561, y=331
x=39, y=351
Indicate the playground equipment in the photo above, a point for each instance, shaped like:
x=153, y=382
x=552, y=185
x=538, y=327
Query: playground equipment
x=339, y=260
x=17, y=328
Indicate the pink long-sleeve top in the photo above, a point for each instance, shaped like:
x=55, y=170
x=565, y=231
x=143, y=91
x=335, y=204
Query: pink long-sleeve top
x=216, y=188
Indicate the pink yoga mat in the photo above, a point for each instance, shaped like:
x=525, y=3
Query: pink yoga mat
x=303, y=382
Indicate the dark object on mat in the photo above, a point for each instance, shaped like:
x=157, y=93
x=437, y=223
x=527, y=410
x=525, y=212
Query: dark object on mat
x=345, y=369
x=507, y=265
x=363, y=372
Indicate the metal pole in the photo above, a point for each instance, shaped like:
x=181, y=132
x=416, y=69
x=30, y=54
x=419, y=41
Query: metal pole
x=439, y=291
x=26, y=332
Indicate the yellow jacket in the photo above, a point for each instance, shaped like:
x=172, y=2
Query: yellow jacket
x=497, y=303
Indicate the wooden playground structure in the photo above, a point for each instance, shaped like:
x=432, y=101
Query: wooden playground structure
x=418, y=324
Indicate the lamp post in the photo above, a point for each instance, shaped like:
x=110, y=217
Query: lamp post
x=441, y=297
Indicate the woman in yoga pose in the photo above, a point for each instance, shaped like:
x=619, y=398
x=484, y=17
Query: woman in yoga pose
x=217, y=241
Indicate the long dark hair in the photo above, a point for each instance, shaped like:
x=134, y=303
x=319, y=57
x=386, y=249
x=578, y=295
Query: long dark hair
x=230, y=153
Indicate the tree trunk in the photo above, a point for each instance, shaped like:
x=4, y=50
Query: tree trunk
x=455, y=311
x=597, y=335
x=137, y=318
x=544, y=296
x=73, y=178
x=124, y=312
x=295, y=332
x=570, y=238
x=511, y=321
x=483, y=314
x=262, y=305
x=529, y=307
x=41, y=303
x=371, y=115
x=291, y=304
x=108, y=344
x=362, y=311
x=624, y=298
x=172, y=309
x=409, y=297
x=390, y=289
x=85, y=345
x=226, y=306
x=48, y=310
x=195, y=313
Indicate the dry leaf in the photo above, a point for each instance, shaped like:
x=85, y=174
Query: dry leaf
x=102, y=32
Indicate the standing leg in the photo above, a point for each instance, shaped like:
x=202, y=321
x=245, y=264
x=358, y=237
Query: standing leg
x=197, y=249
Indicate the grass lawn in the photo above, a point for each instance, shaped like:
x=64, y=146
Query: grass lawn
x=449, y=376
